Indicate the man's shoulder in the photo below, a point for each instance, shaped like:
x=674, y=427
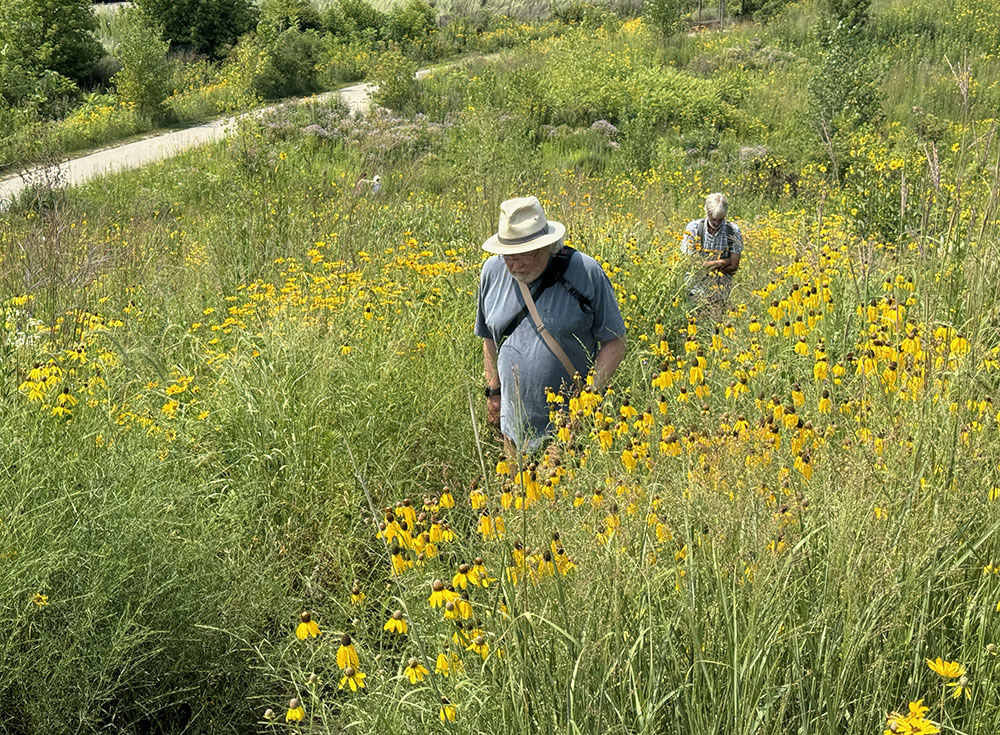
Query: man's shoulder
x=585, y=265
x=733, y=226
x=493, y=267
x=693, y=225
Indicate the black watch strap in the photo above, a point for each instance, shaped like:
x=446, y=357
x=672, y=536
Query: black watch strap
x=490, y=392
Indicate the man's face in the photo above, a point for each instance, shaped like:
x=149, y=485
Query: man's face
x=526, y=267
x=713, y=224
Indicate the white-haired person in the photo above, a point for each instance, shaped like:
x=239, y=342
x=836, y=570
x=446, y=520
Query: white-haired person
x=716, y=244
x=545, y=313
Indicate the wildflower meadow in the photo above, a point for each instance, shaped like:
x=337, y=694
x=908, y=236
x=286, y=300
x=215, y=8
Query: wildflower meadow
x=246, y=481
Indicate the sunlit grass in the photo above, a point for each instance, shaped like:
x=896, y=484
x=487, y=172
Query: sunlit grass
x=221, y=373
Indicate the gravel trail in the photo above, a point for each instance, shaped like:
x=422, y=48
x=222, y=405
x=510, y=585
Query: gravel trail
x=76, y=171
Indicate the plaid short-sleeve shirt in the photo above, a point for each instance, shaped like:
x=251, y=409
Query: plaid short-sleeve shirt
x=713, y=285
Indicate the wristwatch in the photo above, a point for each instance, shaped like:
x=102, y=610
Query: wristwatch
x=490, y=392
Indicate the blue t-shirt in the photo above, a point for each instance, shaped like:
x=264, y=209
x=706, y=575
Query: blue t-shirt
x=525, y=363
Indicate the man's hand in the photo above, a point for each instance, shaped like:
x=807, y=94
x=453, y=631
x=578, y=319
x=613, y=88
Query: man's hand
x=493, y=411
x=723, y=265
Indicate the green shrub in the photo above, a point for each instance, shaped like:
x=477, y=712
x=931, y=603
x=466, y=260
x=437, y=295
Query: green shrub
x=274, y=63
x=51, y=34
x=394, y=75
x=365, y=19
x=591, y=82
x=207, y=26
x=664, y=15
x=344, y=62
x=584, y=13
x=336, y=23
x=46, y=45
x=143, y=80
x=844, y=88
x=411, y=21
x=288, y=13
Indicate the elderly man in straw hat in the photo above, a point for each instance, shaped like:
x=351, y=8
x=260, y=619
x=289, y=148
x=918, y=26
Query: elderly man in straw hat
x=545, y=313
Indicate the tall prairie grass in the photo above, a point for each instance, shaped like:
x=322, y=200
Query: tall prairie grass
x=222, y=372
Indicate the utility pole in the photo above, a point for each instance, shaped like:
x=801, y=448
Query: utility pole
x=722, y=13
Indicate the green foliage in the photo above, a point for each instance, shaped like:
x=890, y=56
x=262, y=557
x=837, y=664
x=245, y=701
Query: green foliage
x=413, y=20
x=665, y=16
x=363, y=18
x=589, y=81
x=336, y=23
x=143, y=80
x=761, y=9
x=47, y=45
x=844, y=89
x=851, y=13
x=394, y=75
x=287, y=13
x=207, y=26
x=275, y=63
x=54, y=34
x=584, y=13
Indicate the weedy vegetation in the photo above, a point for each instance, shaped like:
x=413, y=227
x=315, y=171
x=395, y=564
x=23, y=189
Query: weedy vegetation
x=246, y=483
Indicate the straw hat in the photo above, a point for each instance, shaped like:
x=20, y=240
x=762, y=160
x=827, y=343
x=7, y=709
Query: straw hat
x=523, y=228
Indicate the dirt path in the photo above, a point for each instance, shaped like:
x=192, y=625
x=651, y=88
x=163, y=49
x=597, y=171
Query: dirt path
x=141, y=152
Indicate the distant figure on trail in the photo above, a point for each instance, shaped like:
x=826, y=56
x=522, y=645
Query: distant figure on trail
x=716, y=246
x=547, y=314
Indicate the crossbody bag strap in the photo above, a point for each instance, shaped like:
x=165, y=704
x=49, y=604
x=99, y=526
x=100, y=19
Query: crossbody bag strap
x=544, y=333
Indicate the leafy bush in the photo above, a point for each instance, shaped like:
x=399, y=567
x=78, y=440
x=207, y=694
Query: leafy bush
x=590, y=81
x=46, y=46
x=51, y=34
x=844, y=89
x=365, y=20
x=288, y=13
x=208, y=26
x=344, y=62
x=411, y=21
x=664, y=15
x=274, y=63
x=143, y=81
x=584, y=13
x=394, y=75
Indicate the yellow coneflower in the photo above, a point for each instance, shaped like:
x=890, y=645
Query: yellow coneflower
x=440, y=594
x=396, y=623
x=478, y=574
x=480, y=646
x=347, y=655
x=352, y=678
x=442, y=665
x=446, y=500
x=960, y=687
x=448, y=712
x=307, y=627
x=296, y=712
x=415, y=671
x=357, y=596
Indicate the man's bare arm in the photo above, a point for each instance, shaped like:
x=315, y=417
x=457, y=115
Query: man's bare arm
x=609, y=357
x=724, y=265
x=492, y=381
